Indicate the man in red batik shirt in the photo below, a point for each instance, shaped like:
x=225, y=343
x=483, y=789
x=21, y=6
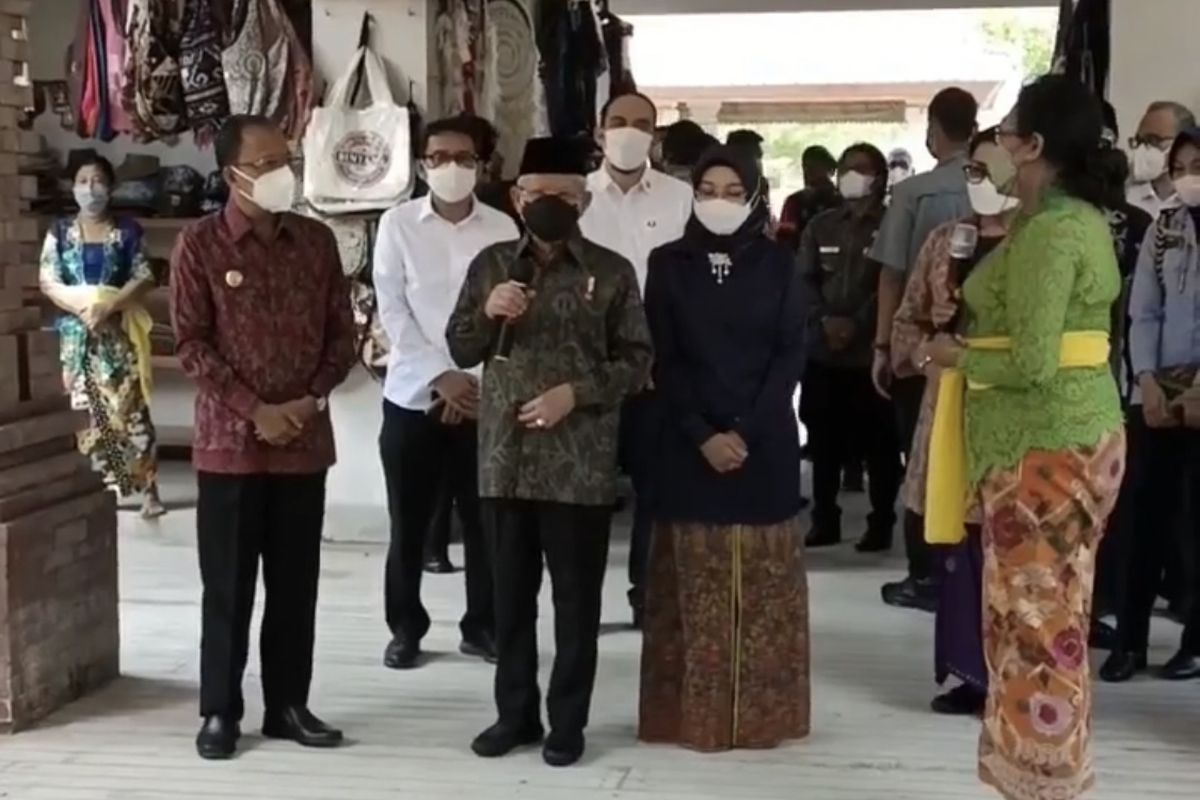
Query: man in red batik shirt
x=263, y=325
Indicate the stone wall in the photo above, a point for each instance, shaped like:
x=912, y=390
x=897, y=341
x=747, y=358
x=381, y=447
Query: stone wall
x=59, y=636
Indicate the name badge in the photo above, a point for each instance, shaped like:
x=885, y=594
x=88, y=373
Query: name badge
x=830, y=251
x=234, y=279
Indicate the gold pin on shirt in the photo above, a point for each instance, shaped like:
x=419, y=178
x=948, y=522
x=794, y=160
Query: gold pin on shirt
x=234, y=278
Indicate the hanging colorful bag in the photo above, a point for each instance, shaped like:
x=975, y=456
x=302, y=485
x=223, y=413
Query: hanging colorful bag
x=358, y=159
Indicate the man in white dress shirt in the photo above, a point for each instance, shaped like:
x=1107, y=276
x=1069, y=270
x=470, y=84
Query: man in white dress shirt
x=430, y=406
x=635, y=209
x=1151, y=188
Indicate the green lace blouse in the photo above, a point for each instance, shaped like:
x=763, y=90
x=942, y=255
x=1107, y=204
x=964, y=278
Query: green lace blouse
x=1056, y=272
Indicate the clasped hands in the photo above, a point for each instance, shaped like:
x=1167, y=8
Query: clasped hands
x=279, y=424
x=726, y=452
x=1160, y=413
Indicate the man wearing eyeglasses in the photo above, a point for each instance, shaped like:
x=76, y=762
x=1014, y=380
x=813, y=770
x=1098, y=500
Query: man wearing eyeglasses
x=1151, y=188
x=430, y=405
x=263, y=324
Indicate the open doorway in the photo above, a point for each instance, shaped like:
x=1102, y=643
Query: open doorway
x=835, y=78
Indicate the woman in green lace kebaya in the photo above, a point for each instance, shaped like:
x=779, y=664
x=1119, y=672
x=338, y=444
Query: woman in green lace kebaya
x=1044, y=441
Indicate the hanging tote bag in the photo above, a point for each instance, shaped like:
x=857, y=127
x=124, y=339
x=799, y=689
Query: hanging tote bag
x=358, y=159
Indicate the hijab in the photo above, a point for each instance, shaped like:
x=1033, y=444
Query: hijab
x=754, y=228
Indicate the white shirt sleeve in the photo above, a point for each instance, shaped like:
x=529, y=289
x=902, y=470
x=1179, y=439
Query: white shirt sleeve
x=421, y=361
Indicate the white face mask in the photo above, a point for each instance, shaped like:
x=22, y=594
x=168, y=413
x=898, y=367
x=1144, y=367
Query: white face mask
x=274, y=192
x=987, y=201
x=854, y=185
x=1148, y=163
x=1188, y=188
x=451, y=183
x=92, y=200
x=627, y=149
x=722, y=217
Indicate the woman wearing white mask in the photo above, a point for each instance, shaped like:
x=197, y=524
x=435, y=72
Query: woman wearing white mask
x=94, y=269
x=725, y=658
x=931, y=303
x=844, y=415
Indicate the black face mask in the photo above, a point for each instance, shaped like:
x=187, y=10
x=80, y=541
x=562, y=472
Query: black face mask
x=551, y=219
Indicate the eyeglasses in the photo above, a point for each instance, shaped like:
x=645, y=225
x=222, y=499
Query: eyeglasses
x=1150, y=140
x=269, y=164
x=441, y=158
x=976, y=173
x=1001, y=133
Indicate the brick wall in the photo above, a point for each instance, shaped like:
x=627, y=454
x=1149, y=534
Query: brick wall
x=58, y=528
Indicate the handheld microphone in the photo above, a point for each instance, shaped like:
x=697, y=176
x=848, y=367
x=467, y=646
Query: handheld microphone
x=520, y=271
x=963, y=243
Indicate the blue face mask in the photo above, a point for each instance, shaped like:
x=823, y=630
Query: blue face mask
x=92, y=200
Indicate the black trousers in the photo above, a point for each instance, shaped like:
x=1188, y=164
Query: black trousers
x=241, y=520
x=418, y=454
x=1166, y=465
x=907, y=394
x=437, y=538
x=846, y=418
x=641, y=427
x=573, y=540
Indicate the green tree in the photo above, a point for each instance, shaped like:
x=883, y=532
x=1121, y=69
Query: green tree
x=1032, y=40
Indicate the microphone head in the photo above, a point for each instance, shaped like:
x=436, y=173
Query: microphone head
x=964, y=241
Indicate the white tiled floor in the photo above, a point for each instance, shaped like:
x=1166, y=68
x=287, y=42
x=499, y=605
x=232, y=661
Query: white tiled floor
x=873, y=738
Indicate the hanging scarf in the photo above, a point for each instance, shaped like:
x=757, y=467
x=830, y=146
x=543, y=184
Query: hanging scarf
x=202, y=73
x=153, y=93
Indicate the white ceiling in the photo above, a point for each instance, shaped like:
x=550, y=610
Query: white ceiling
x=748, y=6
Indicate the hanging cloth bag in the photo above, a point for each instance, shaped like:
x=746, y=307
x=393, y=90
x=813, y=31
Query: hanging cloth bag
x=358, y=159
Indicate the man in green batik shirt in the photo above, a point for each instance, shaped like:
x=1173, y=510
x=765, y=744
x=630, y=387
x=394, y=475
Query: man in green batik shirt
x=548, y=437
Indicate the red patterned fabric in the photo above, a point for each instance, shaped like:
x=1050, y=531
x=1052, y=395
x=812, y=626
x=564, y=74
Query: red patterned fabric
x=259, y=322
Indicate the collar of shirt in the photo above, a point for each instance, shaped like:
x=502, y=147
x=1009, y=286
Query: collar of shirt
x=1144, y=196
x=602, y=181
x=428, y=212
x=240, y=225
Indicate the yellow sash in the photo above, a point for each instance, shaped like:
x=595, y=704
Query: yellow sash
x=946, y=490
x=136, y=322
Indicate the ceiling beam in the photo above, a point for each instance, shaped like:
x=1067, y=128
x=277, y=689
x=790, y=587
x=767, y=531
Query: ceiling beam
x=655, y=7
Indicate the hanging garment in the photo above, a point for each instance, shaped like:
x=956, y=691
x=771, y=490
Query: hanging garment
x=617, y=33
x=201, y=70
x=461, y=38
x=99, y=67
x=256, y=63
x=509, y=95
x=89, y=100
x=114, y=13
x=568, y=38
x=153, y=89
x=1086, y=43
x=300, y=93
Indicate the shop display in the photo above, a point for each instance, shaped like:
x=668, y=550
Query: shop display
x=157, y=68
x=358, y=159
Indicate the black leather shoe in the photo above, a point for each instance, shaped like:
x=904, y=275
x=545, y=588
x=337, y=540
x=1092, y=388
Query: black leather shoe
x=1122, y=666
x=500, y=740
x=1183, y=666
x=563, y=749
x=875, y=541
x=961, y=701
x=918, y=594
x=401, y=653
x=300, y=726
x=479, y=647
x=440, y=565
x=823, y=537
x=218, y=738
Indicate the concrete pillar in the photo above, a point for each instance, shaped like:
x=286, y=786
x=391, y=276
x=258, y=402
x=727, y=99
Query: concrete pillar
x=1153, y=56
